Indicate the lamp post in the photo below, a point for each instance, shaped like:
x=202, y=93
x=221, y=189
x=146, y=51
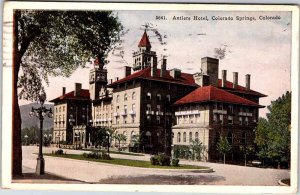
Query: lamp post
x=26, y=137
x=108, y=141
x=40, y=113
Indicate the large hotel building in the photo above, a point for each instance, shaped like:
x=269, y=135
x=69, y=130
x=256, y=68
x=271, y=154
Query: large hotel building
x=164, y=107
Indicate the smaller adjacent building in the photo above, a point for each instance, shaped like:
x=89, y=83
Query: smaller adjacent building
x=217, y=108
x=71, y=110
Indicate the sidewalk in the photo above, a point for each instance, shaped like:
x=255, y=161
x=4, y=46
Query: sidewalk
x=29, y=176
x=94, y=172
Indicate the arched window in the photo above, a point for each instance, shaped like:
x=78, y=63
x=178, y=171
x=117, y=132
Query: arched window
x=118, y=98
x=148, y=96
x=133, y=95
x=158, y=97
x=196, y=136
x=190, y=137
x=125, y=97
x=230, y=138
x=125, y=134
x=184, y=137
x=178, y=137
x=132, y=135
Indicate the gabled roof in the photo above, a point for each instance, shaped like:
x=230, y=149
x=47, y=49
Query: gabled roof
x=214, y=94
x=84, y=95
x=144, y=42
x=185, y=78
x=240, y=89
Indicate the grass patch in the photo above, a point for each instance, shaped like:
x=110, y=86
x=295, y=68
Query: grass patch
x=126, y=162
x=115, y=152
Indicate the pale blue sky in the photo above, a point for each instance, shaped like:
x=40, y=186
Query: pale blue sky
x=261, y=48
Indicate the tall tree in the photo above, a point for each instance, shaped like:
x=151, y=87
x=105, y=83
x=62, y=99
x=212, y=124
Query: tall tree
x=52, y=43
x=273, y=136
x=223, y=146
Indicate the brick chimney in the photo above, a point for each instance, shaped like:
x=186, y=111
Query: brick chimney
x=77, y=89
x=127, y=70
x=224, y=74
x=235, y=80
x=153, y=67
x=163, y=69
x=63, y=90
x=210, y=67
x=175, y=73
x=248, y=81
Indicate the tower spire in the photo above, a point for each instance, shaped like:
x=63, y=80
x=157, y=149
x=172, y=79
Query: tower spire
x=144, y=42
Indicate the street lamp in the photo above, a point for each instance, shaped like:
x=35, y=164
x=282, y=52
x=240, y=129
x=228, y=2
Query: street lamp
x=26, y=137
x=40, y=113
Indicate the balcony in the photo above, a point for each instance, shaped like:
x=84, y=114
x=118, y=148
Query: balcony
x=245, y=114
x=219, y=111
x=116, y=114
x=124, y=113
x=148, y=112
x=109, y=119
x=195, y=112
x=159, y=113
x=132, y=112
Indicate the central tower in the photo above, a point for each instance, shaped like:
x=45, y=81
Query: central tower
x=144, y=56
x=98, y=79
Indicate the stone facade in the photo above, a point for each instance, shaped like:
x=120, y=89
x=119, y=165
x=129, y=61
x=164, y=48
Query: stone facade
x=161, y=106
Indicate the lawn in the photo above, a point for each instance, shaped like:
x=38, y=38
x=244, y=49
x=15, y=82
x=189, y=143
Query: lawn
x=126, y=162
x=115, y=152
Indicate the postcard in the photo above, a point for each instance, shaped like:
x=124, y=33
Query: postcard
x=150, y=97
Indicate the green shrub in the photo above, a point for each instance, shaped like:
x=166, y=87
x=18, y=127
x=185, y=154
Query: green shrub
x=154, y=160
x=97, y=155
x=181, y=151
x=59, y=152
x=175, y=162
x=164, y=160
x=85, y=155
x=105, y=156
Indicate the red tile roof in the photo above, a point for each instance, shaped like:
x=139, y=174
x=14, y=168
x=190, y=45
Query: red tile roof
x=84, y=95
x=211, y=93
x=240, y=89
x=185, y=78
x=144, y=42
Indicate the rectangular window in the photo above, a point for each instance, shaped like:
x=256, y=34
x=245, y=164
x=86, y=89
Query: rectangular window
x=215, y=119
x=246, y=120
x=230, y=109
x=230, y=119
x=125, y=109
x=148, y=117
x=158, y=108
x=158, y=119
x=221, y=119
x=149, y=107
x=240, y=120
